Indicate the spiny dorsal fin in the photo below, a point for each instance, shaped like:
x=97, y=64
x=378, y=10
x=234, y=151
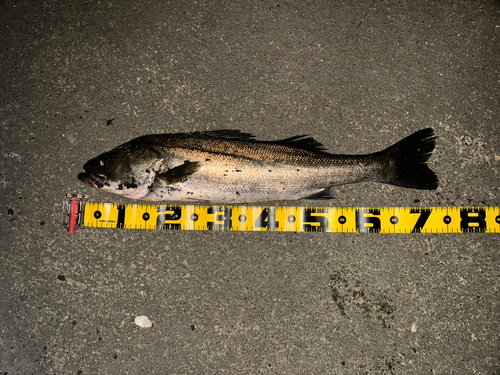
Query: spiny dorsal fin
x=228, y=134
x=303, y=142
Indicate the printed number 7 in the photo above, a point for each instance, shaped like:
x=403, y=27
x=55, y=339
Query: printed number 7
x=422, y=219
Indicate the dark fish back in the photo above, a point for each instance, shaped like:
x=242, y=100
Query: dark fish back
x=298, y=149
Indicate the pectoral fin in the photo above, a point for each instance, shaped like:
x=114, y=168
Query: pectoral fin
x=178, y=174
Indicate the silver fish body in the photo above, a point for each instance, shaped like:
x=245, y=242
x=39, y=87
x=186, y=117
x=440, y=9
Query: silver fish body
x=228, y=166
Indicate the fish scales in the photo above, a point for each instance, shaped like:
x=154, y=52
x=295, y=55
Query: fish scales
x=228, y=179
x=256, y=150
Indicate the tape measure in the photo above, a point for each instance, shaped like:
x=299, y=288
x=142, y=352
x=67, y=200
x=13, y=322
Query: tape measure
x=78, y=212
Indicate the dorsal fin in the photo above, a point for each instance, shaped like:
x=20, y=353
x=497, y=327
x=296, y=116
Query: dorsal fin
x=303, y=142
x=228, y=134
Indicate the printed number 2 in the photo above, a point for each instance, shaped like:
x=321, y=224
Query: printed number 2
x=175, y=215
x=422, y=219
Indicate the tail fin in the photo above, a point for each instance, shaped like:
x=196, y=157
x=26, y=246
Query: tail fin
x=408, y=160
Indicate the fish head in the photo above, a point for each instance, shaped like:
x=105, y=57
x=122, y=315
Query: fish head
x=126, y=170
x=107, y=171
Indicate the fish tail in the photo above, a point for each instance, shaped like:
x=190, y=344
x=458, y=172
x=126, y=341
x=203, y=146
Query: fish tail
x=407, y=161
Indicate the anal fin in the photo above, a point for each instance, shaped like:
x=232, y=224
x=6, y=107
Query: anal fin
x=324, y=194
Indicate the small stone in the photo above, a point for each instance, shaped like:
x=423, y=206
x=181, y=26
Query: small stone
x=467, y=140
x=143, y=321
x=414, y=327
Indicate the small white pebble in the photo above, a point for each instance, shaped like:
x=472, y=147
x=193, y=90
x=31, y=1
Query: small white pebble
x=143, y=321
x=414, y=327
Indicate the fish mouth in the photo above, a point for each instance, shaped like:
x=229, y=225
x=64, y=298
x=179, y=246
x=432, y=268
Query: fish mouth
x=97, y=181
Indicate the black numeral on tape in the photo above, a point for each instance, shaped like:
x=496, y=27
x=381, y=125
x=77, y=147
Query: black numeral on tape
x=472, y=220
x=311, y=216
x=267, y=219
x=176, y=214
x=221, y=214
x=422, y=219
x=368, y=224
x=121, y=215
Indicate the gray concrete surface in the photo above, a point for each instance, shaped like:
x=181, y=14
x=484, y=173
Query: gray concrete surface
x=357, y=75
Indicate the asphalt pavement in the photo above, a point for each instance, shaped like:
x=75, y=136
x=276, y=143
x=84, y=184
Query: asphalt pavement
x=81, y=77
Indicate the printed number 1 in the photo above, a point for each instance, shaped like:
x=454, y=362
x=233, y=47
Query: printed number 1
x=120, y=223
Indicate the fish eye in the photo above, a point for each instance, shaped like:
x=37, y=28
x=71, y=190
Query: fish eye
x=103, y=161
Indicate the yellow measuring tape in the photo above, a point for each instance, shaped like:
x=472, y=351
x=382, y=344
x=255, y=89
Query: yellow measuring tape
x=77, y=212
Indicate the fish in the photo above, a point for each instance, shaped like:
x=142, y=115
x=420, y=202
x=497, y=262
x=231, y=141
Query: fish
x=230, y=166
